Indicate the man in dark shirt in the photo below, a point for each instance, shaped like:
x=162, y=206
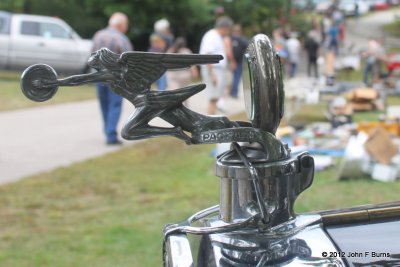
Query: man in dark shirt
x=239, y=45
x=312, y=47
x=113, y=37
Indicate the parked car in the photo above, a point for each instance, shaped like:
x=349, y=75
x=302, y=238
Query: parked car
x=380, y=5
x=323, y=6
x=348, y=7
x=393, y=2
x=29, y=39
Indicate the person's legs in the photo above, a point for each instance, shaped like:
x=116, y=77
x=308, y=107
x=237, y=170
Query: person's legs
x=367, y=70
x=315, y=66
x=114, y=112
x=212, y=106
x=102, y=95
x=213, y=90
x=162, y=83
x=309, y=63
x=293, y=68
x=237, y=75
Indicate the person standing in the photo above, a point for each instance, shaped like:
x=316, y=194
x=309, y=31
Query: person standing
x=294, y=48
x=239, y=45
x=163, y=30
x=113, y=37
x=312, y=47
x=229, y=69
x=181, y=78
x=214, y=74
x=373, y=57
x=159, y=45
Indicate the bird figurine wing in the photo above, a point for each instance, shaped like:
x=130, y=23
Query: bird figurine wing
x=144, y=68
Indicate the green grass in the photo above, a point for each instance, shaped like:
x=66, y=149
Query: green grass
x=327, y=192
x=351, y=75
x=393, y=28
x=375, y=115
x=309, y=113
x=110, y=211
x=11, y=96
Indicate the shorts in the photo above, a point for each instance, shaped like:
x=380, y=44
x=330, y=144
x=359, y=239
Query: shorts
x=214, y=92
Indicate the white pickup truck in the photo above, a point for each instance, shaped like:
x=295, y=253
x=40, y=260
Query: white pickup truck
x=30, y=39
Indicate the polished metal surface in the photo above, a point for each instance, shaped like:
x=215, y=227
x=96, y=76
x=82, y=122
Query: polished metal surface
x=368, y=244
x=28, y=83
x=280, y=183
x=255, y=224
x=302, y=248
x=257, y=184
x=175, y=235
x=179, y=253
x=130, y=75
x=362, y=214
x=299, y=242
x=187, y=228
x=263, y=84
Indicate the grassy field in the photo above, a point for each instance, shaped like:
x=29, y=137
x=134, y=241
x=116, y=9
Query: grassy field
x=316, y=112
x=107, y=211
x=393, y=28
x=11, y=96
x=110, y=211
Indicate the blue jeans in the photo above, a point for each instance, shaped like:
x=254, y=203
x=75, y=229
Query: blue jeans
x=367, y=71
x=293, y=69
x=110, y=104
x=237, y=74
x=162, y=83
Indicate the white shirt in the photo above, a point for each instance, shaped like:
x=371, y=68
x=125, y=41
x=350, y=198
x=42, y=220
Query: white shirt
x=293, y=47
x=213, y=43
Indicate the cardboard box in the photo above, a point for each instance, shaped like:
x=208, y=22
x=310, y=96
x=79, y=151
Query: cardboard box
x=345, y=110
x=384, y=173
x=380, y=147
x=390, y=127
x=363, y=95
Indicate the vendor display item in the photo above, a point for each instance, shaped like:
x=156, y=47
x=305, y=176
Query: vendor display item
x=380, y=147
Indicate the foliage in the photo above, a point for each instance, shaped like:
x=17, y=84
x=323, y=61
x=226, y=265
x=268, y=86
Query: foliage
x=87, y=16
x=260, y=15
x=188, y=18
x=263, y=16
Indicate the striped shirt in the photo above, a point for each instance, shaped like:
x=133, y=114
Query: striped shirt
x=112, y=39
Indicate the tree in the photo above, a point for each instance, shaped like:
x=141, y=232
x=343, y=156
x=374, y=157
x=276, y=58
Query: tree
x=188, y=18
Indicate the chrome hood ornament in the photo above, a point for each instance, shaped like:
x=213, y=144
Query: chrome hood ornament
x=255, y=224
